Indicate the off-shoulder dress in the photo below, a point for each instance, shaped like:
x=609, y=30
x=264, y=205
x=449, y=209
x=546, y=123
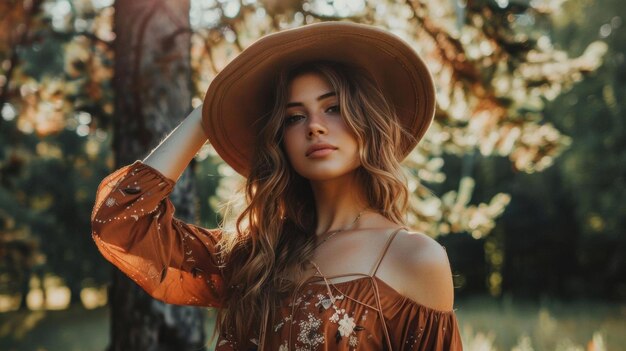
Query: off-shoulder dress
x=134, y=227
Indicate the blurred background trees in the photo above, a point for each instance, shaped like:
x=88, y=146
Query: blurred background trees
x=521, y=176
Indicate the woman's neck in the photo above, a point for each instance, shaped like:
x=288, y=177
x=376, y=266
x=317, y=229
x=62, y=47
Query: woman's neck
x=338, y=202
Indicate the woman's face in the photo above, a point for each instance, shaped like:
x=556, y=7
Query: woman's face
x=318, y=143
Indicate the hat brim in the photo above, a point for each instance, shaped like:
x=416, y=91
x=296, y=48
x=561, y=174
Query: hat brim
x=240, y=95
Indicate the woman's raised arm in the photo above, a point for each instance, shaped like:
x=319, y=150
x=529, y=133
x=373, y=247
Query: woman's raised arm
x=175, y=152
x=134, y=227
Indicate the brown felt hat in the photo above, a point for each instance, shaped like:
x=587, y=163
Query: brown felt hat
x=242, y=92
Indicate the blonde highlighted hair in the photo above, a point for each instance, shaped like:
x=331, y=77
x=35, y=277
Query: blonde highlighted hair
x=275, y=233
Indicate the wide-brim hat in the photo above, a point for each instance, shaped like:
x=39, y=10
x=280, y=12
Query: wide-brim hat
x=242, y=92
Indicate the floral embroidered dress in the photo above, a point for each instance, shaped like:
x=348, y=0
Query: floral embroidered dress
x=134, y=227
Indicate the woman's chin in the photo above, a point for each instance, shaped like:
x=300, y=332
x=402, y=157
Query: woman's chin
x=320, y=174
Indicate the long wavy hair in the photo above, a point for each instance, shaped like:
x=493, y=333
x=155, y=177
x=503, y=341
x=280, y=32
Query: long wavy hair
x=275, y=233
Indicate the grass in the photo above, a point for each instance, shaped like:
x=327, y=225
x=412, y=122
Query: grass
x=551, y=325
x=485, y=326
x=74, y=329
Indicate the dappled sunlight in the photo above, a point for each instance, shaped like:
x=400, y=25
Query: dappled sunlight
x=524, y=344
x=56, y=298
x=485, y=341
x=35, y=299
x=489, y=325
x=21, y=324
x=93, y=297
x=477, y=341
x=9, y=302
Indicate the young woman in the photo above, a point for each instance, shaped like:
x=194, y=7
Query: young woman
x=317, y=119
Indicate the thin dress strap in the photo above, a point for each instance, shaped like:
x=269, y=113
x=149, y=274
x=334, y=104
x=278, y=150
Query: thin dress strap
x=382, y=254
x=376, y=291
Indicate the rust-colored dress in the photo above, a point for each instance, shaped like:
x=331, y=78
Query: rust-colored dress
x=134, y=227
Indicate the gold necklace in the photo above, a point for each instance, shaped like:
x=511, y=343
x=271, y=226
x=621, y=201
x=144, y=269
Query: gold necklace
x=341, y=230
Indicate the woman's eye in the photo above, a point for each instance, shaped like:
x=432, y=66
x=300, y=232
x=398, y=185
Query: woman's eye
x=292, y=119
x=334, y=108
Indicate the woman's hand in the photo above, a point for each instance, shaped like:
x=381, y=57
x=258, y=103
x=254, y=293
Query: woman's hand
x=174, y=153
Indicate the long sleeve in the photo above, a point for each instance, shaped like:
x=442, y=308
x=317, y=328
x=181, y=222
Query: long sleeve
x=134, y=227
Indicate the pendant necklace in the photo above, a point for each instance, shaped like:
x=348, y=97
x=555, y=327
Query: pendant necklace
x=351, y=226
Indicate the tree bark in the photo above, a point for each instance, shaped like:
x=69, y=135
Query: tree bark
x=153, y=93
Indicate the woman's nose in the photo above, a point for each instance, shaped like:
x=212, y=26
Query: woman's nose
x=316, y=126
x=316, y=130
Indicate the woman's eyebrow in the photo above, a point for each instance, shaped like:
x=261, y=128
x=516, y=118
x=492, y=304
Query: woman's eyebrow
x=319, y=98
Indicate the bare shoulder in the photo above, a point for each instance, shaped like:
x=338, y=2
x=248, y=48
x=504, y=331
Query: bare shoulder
x=423, y=266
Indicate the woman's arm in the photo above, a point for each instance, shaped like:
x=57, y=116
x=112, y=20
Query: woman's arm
x=174, y=153
x=134, y=227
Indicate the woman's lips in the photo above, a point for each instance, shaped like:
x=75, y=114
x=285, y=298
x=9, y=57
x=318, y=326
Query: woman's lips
x=319, y=150
x=320, y=153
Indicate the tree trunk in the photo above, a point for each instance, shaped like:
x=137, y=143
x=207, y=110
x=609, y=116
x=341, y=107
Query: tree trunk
x=153, y=92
